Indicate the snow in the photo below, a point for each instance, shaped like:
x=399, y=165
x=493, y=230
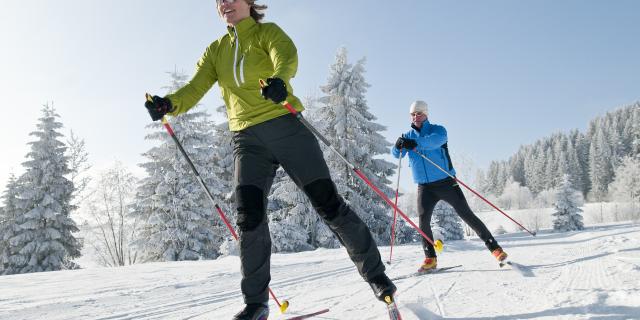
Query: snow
x=575, y=275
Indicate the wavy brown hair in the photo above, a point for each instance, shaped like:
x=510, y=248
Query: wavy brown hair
x=257, y=10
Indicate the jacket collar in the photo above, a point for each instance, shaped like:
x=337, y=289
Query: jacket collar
x=425, y=124
x=243, y=28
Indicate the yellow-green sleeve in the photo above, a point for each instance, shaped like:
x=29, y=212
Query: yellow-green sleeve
x=203, y=79
x=282, y=51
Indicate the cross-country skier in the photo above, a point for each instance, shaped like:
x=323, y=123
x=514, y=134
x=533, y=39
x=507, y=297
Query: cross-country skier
x=434, y=185
x=266, y=136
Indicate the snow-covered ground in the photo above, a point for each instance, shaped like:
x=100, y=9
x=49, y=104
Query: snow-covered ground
x=577, y=275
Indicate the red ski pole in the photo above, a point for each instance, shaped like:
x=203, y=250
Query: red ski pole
x=437, y=244
x=474, y=192
x=285, y=304
x=395, y=212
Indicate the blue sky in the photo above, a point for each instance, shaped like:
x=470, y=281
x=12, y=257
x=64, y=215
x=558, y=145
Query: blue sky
x=497, y=74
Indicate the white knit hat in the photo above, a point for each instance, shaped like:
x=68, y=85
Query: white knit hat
x=419, y=106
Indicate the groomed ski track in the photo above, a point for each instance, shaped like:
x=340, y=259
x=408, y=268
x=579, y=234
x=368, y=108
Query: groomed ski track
x=575, y=275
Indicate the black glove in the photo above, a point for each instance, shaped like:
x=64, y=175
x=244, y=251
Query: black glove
x=276, y=90
x=404, y=143
x=158, y=107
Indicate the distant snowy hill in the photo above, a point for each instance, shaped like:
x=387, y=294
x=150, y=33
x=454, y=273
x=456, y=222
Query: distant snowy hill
x=577, y=275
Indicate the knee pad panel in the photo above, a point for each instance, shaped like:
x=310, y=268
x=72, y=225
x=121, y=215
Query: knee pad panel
x=250, y=205
x=324, y=198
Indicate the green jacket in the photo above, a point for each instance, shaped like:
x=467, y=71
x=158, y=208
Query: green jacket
x=249, y=52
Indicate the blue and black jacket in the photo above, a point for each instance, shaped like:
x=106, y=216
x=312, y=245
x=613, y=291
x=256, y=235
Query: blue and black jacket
x=432, y=142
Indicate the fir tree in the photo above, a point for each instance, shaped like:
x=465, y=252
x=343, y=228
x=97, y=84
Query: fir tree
x=222, y=166
x=296, y=226
x=447, y=222
x=626, y=185
x=8, y=226
x=178, y=220
x=352, y=130
x=600, y=169
x=44, y=238
x=567, y=215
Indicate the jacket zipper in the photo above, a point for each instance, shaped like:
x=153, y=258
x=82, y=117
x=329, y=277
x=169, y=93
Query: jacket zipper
x=235, y=60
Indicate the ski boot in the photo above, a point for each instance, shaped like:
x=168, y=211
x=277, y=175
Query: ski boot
x=499, y=254
x=382, y=287
x=428, y=265
x=253, y=311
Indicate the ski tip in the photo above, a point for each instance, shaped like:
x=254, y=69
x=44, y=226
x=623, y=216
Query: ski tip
x=148, y=96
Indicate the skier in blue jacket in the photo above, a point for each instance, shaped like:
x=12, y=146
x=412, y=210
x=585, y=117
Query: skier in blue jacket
x=434, y=184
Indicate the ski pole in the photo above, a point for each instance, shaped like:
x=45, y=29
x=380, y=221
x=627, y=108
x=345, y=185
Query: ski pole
x=474, y=192
x=393, y=226
x=285, y=304
x=437, y=244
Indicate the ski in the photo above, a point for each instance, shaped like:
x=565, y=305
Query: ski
x=504, y=263
x=418, y=273
x=308, y=315
x=392, y=308
x=521, y=269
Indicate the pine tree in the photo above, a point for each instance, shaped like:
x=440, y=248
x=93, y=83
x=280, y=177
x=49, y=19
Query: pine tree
x=352, y=130
x=8, y=226
x=600, y=169
x=491, y=184
x=178, y=220
x=567, y=215
x=535, y=168
x=222, y=167
x=626, y=185
x=447, y=222
x=293, y=220
x=44, y=239
x=635, y=129
x=582, y=154
x=291, y=209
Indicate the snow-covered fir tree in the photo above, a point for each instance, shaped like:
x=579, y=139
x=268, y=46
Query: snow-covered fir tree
x=352, y=130
x=294, y=224
x=222, y=170
x=8, y=226
x=567, y=214
x=292, y=218
x=626, y=185
x=222, y=165
x=600, y=168
x=44, y=239
x=178, y=220
x=634, y=129
x=447, y=222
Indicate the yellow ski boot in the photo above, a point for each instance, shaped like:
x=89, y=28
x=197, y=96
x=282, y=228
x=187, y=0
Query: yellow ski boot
x=499, y=254
x=428, y=265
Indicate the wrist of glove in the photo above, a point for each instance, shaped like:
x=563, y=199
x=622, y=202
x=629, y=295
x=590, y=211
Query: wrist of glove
x=158, y=107
x=405, y=143
x=275, y=90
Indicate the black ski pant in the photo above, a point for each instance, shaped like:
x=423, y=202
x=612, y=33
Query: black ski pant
x=258, y=152
x=449, y=191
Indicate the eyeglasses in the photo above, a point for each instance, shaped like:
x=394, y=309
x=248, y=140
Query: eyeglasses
x=417, y=114
x=220, y=2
